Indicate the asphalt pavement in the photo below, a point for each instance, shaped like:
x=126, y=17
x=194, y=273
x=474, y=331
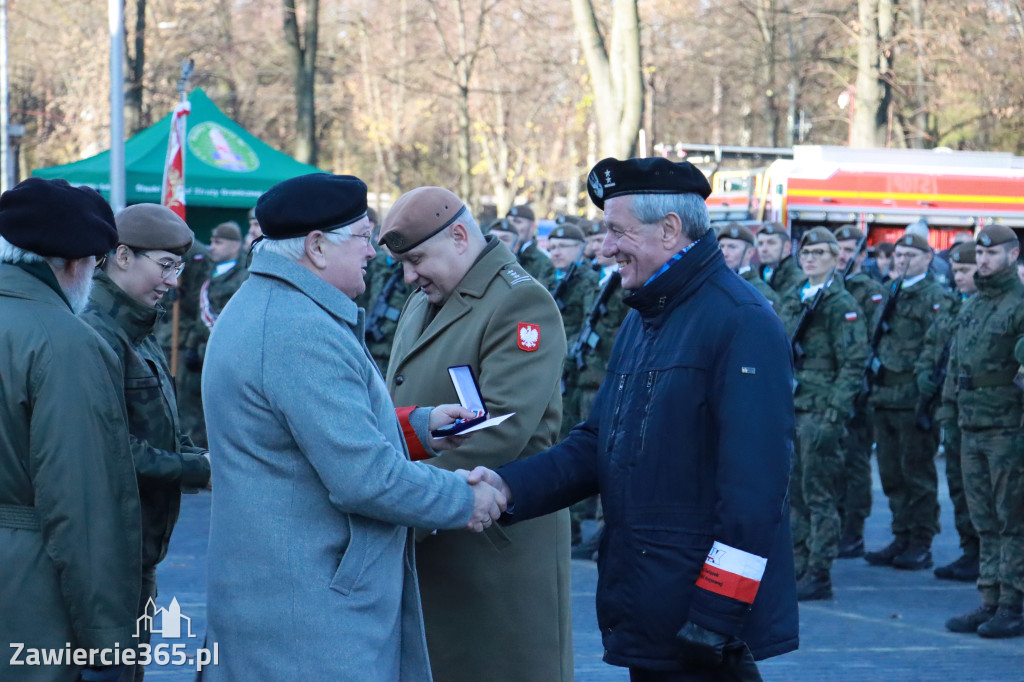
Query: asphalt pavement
x=883, y=624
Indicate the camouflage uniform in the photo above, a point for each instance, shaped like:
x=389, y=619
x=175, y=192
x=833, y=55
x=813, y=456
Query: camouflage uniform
x=382, y=313
x=762, y=287
x=906, y=454
x=988, y=347
x=827, y=379
x=215, y=291
x=535, y=262
x=198, y=268
x=784, y=277
x=855, y=500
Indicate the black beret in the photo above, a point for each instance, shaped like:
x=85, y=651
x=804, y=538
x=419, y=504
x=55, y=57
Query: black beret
x=654, y=175
x=994, y=235
x=318, y=201
x=52, y=219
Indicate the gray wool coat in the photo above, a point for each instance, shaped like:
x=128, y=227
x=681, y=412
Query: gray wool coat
x=311, y=563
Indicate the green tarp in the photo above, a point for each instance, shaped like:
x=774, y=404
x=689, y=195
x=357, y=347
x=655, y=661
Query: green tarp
x=225, y=166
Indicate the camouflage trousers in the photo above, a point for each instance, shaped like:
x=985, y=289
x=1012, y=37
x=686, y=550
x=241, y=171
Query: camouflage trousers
x=993, y=468
x=955, y=479
x=814, y=492
x=855, y=497
x=906, y=465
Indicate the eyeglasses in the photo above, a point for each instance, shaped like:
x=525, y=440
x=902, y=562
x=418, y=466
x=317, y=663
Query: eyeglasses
x=814, y=253
x=367, y=237
x=101, y=259
x=167, y=267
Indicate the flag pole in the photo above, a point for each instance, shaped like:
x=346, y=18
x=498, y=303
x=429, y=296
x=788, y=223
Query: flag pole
x=172, y=189
x=115, y=12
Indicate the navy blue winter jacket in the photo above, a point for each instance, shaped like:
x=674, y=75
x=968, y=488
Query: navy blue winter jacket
x=689, y=443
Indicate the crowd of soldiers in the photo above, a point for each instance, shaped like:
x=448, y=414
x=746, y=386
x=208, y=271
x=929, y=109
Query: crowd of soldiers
x=898, y=356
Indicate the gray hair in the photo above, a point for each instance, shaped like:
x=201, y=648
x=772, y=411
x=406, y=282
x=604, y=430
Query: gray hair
x=294, y=248
x=9, y=253
x=691, y=209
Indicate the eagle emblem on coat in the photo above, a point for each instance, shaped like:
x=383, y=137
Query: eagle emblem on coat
x=528, y=338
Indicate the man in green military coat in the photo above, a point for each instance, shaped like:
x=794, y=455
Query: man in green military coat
x=385, y=296
x=774, y=250
x=123, y=309
x=906, y=453
x=830, y=349
x=738, y=246
x=985, y=361
x=529, y=254
x=932, y=366
x=855, y=502
x=497, y=605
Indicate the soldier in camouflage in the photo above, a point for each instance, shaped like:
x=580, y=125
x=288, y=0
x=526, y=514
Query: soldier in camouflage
x=737, y=244
x=930, y=368
x=985, y=361
x=123, y=308
x=906, y=453
x=385, y=296
x=198, y=267
x=525, y=248
x=774, y=250
x=573, y=286
x=832, y=344
x=855, y=501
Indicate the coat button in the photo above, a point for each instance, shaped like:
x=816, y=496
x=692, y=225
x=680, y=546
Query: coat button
x=399, y=380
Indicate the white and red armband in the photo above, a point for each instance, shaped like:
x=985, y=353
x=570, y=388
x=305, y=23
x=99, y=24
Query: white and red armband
x=732, y=572
x=412, y=441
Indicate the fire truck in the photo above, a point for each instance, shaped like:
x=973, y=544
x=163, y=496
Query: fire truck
x=880, y=190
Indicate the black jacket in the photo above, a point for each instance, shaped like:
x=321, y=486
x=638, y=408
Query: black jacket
x=689, y=443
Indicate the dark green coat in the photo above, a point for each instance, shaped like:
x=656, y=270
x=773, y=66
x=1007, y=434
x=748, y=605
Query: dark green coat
x=868, y=293
x=166, y=462
x=497, y=605
x=379, y=273
x=784, y=277
x=575, y=298
x=70, y=570
x=762, y=287
x=988, y=348
x=938, y=341
x=917, y=308
x=536, y=262
x=836, y=348
x=607, y=327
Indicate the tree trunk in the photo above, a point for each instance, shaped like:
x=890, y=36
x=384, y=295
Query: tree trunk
x=874, y=75
x=302, y=51
x=616, y=76
x=133, y=118
x=922, y=136
x=766, y=13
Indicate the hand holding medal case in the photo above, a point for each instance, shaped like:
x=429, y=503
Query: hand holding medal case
x=469, y=396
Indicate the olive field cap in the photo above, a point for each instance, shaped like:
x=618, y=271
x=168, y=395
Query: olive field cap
x=994, y=235
x=914, y=240
x=817, y=235
x=774, y=228
x=417, y=216
x=522, y=211
x=153, y=227
x=567, y=231
x=736, y=231
x=847, y=232
x=963, y=253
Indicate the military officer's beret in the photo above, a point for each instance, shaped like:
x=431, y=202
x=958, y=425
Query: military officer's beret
x=847, y=232
x=50, y=218
x=152, y=227
x=818, y=235
x=228, y=230
x=736, y=231
x=994, y=235
x=774, y=228
x=501, y=225
x=522, y=211
x=655, y=175
x=963, y=253
x=591, y=228
x=318, y=201
x=914, y=240
x=567, y=231
x=417, y=216
x=563, y=219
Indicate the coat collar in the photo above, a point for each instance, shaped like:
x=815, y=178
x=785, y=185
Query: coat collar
x=137, y=320
x=680, y=281
x=323, y=294
x=23, y=280
x=998, y=283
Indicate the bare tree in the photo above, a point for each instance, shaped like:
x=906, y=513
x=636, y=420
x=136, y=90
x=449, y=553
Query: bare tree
x=134, y=119
x=871, y=117
x=302, y=47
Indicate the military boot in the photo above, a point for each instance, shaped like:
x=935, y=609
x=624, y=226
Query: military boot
x=914, y=558
x=884, y=556
x=964, y=569
x=814, y=585
x=970, y=622
x=851, y=546
x=1008, y=622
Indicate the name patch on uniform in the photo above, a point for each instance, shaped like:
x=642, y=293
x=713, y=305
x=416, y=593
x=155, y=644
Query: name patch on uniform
x=732, y=573
x=748, y=370
x=876, y=298
x=851, y=316
x=528, y=337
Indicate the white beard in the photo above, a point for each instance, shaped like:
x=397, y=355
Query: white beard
x=78, y=291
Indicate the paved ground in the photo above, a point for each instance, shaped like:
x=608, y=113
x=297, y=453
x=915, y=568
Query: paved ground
x=883, y=624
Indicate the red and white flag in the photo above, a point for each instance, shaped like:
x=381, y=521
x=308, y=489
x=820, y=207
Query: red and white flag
x=172, y=194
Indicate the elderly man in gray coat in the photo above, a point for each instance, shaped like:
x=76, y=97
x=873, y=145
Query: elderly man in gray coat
x=311, y=566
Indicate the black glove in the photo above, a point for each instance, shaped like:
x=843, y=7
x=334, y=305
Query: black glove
x=702, y=646
x=193, y=362
x=108, y=673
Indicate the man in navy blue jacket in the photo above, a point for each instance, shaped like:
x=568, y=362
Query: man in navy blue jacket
x=689, y=443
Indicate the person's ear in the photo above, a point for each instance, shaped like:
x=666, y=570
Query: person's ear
x=123, y=256
x=460, y=235
x=315, y=249
x=671, y=227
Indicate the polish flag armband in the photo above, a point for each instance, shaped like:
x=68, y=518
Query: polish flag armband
x=732, y=572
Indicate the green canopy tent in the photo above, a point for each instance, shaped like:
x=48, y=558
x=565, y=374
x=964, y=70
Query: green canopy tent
x=226, y=168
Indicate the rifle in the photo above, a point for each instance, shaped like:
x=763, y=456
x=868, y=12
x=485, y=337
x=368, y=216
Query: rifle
x=853, y=260
x=883, y=327
x=588, y=339
x=804, y=320
x=563, y=284
x=926, y=406
x=381, y=308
